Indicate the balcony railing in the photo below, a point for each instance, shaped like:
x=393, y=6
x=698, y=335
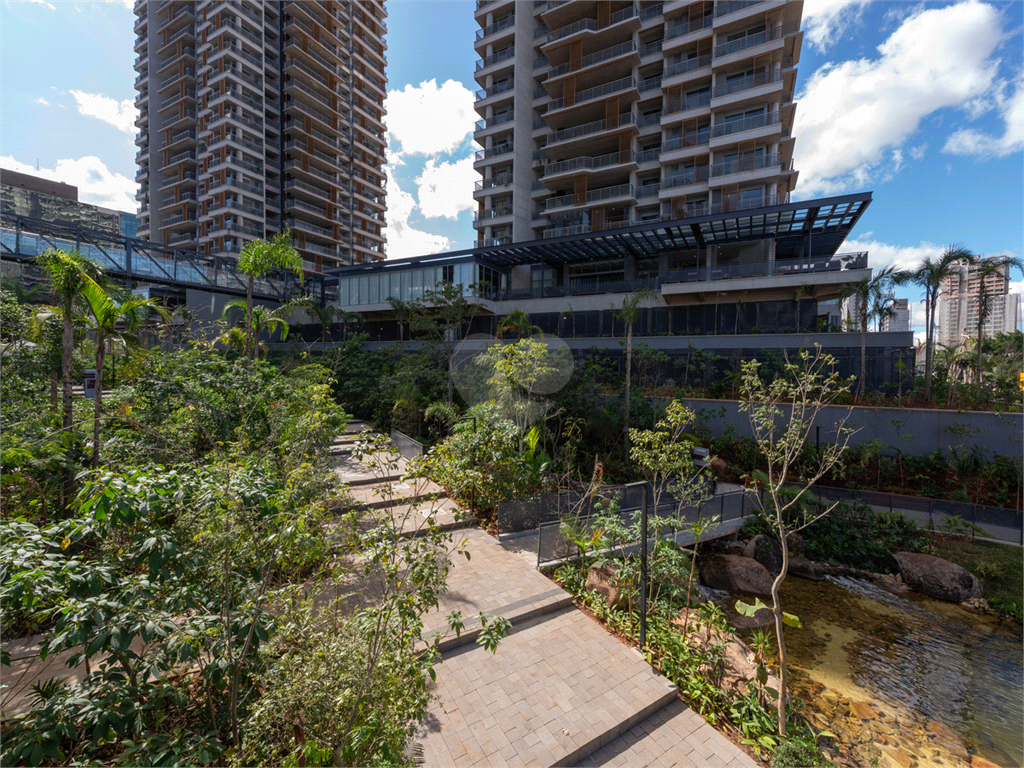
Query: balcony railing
x=501, y=180
x=689, y=65
x=650, y=84
x=188, y=72
x=593, y=196
x=687, y=139
x=596, y=92
x=490, y=122
x=492, y=242
x=736, y=5
x=651, y=11
x=494, y=90
x=692, y=175
x=652, y=47
x=748, y=163
x=648, y=155
x=501, y=149
x=746, y=124
x=491, y=213
x=746, y=83
x=731, y=204
x=644, y=120
x=177, y=97
x=589, y=163
x=595, y=58
x=676, y=104
x=572, y=29
x=586, y=129
x=495, y=58
x=497, y=26
x=686, y=27
x=750, y=41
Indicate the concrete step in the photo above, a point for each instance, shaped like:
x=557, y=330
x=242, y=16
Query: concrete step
x=390, y=468
x=556, y=690
x=401, y=491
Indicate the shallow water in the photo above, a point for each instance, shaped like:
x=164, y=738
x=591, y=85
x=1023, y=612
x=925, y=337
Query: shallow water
x=944, y=683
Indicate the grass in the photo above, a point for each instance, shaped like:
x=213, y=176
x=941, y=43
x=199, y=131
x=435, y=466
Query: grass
x=999, y=567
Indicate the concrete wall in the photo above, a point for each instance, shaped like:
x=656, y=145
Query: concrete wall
x=915, y=431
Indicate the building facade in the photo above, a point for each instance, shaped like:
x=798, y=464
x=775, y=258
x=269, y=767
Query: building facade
x=900, y=320
x=22, y=194
x=601, y=114
x=957, y=312
x=256, y=116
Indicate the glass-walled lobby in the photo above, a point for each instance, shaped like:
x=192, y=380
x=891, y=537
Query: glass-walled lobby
x=410, y=284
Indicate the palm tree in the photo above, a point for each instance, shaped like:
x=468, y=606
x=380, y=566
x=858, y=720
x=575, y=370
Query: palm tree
x=929, y=276
x=345, y=318
x=114, y=317
x=628, y=314
x=70, y=272
x=260, y=319
x=33, y=295
x=403, y=311
x=866, y=296
x=517, y=321
x=325, y=314
x=988, y=268
x=257, y=259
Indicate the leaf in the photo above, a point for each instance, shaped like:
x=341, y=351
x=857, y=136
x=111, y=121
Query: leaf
x=745, y=609
x=762, y=674
x=790, y=620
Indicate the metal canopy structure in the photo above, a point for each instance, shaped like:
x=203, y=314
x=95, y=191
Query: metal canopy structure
x=806, y=229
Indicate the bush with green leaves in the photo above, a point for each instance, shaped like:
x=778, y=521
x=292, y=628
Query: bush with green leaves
x=798, y=753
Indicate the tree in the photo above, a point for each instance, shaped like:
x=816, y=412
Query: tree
x=519, y=372
x=782, y=412
x=987, y=268
x=324, y=314
x=442, y=315
x=628, y=314
x=258, y=320
x=866, y=295
x=929, y=276
x=402, y=311
x=349, y=317
x=35, y=294
x=70, y=272
x=518, y=322
x=257, y=259
x=114, y=317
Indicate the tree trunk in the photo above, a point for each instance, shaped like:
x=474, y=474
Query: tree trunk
x=863, y=355
x=629, y=364
x=779, y=638
x=113, y=363
x=54, y=405
x=929, y=342
x=982, y=301
x=97, y=412
x=66, y=364
x=249, y=340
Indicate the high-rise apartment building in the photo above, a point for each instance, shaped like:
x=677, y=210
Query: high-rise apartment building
x=254, y=116
x=596, y=115
x=958, y=305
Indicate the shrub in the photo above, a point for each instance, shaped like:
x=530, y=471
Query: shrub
x=798, y=753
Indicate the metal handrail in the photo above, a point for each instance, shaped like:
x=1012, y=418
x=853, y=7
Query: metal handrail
x=745, y=84
x=746, y=124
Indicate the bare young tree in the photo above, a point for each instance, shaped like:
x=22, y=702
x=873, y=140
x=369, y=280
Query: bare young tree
x=782, y=412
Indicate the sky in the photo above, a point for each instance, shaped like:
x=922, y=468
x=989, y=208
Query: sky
x=920, y=103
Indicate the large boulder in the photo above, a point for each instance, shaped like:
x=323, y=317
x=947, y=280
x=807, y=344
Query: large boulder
x=604, y=581
x=735, y=574
x=805, y=569
x=766, y=551
x=762, y=619
x=937, y=578
x=796, y=543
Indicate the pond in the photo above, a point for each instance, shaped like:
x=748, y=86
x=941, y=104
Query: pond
x=905, y=680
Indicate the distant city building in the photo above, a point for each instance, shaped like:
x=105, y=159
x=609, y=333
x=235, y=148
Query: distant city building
x=257, y=116
x=22, y=194
x=901, y=320
x=957, y=313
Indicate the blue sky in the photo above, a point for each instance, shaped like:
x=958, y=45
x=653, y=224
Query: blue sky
x=921, y=103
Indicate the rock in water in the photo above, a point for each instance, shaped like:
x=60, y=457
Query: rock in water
x=890, y=584
x=766, y=551
x=603, y=581
x=795, y=543
x=735, y=574
x=761, y=619
x=936, y=577
x=805, y=569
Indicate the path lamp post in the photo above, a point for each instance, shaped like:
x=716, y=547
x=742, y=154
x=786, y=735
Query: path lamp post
x=472, y=489
x=643, y=562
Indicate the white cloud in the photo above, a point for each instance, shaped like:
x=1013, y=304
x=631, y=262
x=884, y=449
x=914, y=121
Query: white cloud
x=972, y=142
x=404, y=240
x=852, y=115
x=43, y=2
x=96, y=183
x=120, y=114
x=42, y=101
x=825, y=21
x=884, y=255
x=428, y=120
x=446, y=189
x=918, y=152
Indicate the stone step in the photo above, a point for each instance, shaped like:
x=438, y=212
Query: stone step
x=495, y=582
x=409, y=491
x=389, y=468
x=355, y=426
x=556, y=690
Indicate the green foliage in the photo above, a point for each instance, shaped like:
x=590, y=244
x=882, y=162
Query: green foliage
x=798, y=753
x=858, y=537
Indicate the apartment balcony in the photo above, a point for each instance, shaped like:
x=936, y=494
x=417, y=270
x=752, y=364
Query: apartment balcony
x=587, y=132
x=187, y=178
x=294, y=204
x=770, y=40
x=623, y=52
x=620, y=23
x=310, y=190
x=688, y=144
x=489, y=6
x=189, y=156
x=489, y=214
x=483, y=126
x=694, y=178
x=493, y=242
x=496, y=32
x=180, y=221
x=604, y=195
x=142, y=78
x=749, y=168
x=623, y=160
x=234, y=205
x=184, y=198
x=731, y=204
x=676, y=105
x=233, y=183
x=181, y=120
x=301, y=106
x=648, y=156
x=142, y=60
x=235, y=161
x=304, y=226
x=626, y=86
x=487, y=96
x=236, y=138
x=686, y=71
x=188, y=97
x=142, y=174
x=483, y=155
x=185, y=33
x=739, y=11
x=494, y=182
x=179, y=15
x=749, y=89
x=652, y=12
x=496, y=62
x=582, y=229
x=750, y=128
x=235, y=116
x=682, y=33
x=188, y=73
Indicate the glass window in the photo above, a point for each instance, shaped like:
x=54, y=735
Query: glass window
x=417, y=284
x=406, y=292
x=343, y=291
x=374, y=296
